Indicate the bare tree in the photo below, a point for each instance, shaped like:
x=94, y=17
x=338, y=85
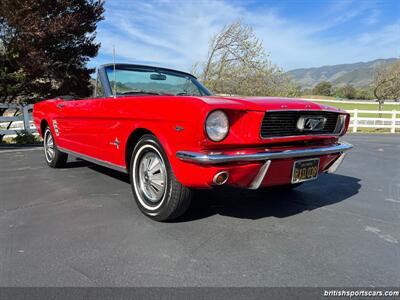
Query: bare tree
x=238, y=64
x=387, y=83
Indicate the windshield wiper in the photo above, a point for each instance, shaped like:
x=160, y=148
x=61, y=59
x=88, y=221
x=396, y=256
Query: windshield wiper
x=143, y=92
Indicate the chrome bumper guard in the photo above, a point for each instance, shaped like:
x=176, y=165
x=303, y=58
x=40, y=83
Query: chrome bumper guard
x=208, y=159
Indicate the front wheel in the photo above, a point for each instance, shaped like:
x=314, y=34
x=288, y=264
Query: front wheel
x=54, y=157
x=156, y=191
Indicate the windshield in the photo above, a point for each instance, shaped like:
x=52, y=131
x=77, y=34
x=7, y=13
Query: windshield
x=138, y=81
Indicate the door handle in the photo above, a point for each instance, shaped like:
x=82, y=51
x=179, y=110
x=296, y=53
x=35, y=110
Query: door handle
x=60, y=105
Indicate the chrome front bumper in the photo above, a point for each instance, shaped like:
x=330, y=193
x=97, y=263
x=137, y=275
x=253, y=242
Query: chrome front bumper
x=203, y=158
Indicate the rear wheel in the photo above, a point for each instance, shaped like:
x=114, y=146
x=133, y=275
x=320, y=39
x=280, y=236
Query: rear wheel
x=156, y=191
x=54, y=157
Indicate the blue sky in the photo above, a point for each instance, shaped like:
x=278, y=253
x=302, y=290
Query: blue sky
x=296, y=33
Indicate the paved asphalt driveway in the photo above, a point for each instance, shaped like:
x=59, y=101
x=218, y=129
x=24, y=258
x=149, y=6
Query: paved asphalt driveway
x=79, y=226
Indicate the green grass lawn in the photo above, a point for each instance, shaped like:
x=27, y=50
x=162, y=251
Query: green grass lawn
x=319, y=97
x=371, y=130
x=374, y=106
x=366, y=106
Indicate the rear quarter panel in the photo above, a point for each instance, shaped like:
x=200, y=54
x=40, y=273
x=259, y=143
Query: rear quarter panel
x=44, y=111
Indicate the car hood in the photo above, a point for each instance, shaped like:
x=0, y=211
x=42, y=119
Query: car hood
x=265, y=103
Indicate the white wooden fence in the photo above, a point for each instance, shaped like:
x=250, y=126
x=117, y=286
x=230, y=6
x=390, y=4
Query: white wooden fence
x=24, y=121
x=386, y=119
x=19, y=123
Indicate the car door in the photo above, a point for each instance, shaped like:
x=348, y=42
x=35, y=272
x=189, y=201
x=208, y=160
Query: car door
x=117, y=123
x=81, y=126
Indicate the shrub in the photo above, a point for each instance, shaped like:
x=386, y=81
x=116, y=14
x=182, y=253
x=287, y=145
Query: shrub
x=366, y=94
x=25, y=137
x=323, y=88
x=347, y=91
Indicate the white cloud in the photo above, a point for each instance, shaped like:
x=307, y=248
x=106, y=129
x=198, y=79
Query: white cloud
x=177, y=33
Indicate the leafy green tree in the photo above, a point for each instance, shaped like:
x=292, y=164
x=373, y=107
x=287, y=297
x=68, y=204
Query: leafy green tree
x=323, y=88
x=45, y=46
x=364, y=93
x=347, y=91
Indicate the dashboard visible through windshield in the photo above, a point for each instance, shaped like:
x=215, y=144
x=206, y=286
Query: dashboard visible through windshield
x=137, y=81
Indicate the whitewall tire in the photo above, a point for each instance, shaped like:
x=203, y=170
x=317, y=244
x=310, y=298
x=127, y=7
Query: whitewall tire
x=156, y=191
x=54, y=157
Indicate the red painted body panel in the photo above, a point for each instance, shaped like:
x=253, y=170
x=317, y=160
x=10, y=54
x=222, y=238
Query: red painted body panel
x=89, y=126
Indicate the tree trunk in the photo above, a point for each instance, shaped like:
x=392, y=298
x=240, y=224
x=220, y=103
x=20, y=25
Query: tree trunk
x=208, y=64
x=380, y=107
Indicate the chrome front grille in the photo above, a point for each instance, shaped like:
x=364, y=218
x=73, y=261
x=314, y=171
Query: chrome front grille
x=284, y=123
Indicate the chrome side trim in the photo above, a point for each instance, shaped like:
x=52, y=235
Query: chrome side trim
x=255, y=184
x=336, y=164
x=204, y=158
x=100, y=162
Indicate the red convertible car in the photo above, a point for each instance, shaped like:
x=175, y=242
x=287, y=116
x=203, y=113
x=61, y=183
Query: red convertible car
x=172, y=136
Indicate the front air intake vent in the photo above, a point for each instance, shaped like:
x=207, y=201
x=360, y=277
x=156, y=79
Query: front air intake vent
x=285, y=123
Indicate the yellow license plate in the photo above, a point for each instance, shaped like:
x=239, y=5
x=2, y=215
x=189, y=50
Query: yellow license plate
x=306, y=169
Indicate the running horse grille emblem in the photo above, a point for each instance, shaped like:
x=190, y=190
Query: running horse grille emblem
x=311, y=123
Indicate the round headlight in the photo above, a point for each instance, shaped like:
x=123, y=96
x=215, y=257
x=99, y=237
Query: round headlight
x=217, y=125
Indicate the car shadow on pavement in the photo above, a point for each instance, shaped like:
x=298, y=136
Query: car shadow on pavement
x=112, y=173
x=80, y=163
x=247, y=204
x=328, y=189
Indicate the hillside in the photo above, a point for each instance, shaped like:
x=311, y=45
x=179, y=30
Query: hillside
x=359, y=74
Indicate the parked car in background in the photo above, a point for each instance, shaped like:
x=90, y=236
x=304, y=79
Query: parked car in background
x=172, y=136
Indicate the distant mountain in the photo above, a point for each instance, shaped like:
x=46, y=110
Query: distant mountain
x=359, y=74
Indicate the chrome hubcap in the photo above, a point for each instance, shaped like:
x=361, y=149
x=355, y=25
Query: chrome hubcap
x=152, y=176
x=49, y=146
